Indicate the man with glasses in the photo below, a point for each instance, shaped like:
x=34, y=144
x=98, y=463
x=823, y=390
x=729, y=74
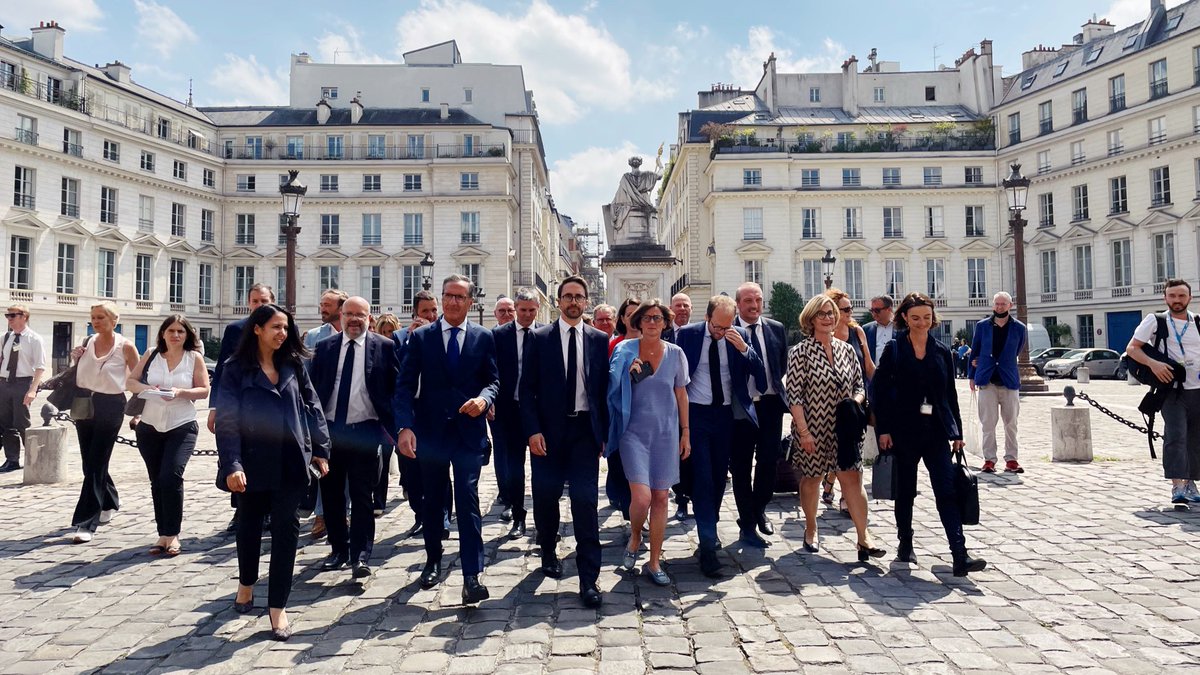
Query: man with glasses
x=504, y=310
x=454, y=362
x=604, y=318
x=21, y=370
x=681, y=315
x=880, y=330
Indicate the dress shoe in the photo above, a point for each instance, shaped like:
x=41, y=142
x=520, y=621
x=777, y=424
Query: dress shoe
x=591, y=597
x=378, y=513
x=335, y=561
x=681, y=513
x=866, y=552
x=904, y=552
x=432, y=574
x=318, y=528
x=9, y=466
x=710, y=565
x=964, y=563
x=233, y=523
x=416, y=530
x=517, y=530
x=814, y=546
x=82, y=535
x=243, y=607
x=473, y=591
x=361, y=570
x=506, y=515
x=751, y=538
x=764, y=525
x=281, y=634
x=551, y=566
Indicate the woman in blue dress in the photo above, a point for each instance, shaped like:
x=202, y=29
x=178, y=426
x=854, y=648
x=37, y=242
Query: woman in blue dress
x=649, y=425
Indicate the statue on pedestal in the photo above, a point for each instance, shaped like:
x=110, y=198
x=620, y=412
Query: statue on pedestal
x=630, y=218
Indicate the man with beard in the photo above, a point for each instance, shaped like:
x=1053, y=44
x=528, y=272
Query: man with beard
x=330, y=307
x=993, y=373
x=681, y=311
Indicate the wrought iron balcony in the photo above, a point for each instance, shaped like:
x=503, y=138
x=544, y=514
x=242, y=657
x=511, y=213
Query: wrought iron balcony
x=26, y=136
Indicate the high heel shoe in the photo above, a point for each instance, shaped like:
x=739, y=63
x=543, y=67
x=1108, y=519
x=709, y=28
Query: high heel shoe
x=866, y=552
x=243, y=607
x=814, y=546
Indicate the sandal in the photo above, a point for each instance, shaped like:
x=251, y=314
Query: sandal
x=173, y=551
x=827, y=490
x=157, y=550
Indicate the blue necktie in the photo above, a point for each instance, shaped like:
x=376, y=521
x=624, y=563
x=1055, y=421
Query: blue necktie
x=452, y=349
x=343, y=399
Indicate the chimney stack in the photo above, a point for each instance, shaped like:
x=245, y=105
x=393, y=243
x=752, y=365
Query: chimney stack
x=48, y=40
x=445, y=114
x=118, y=72
x=324, y=110
x=356, y=108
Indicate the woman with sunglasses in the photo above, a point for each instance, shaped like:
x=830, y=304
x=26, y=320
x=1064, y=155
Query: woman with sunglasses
x=848, y=331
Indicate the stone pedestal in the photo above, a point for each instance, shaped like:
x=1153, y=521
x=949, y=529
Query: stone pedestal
x=46, y=454
x=1070, y=434
x=640, y=270
x=1083, y=375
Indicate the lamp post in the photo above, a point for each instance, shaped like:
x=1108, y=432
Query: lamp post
x=292, y=193
x=828, y=261
x=479, y=296
x=427, y=271
x=1016, y=189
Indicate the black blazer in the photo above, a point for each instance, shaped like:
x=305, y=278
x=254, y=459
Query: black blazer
x=694, y=337
x=380, y=370
x=898, y=395
x=229, y=342
x=774, y=337
x=506, y=357
x=544, y=406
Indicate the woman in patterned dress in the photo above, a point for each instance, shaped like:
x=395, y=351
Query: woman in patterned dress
x=821, y=373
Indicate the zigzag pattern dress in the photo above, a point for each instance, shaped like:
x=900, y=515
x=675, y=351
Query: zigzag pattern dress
x=819, y=386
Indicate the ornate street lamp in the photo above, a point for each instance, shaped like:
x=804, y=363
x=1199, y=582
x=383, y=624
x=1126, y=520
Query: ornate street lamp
x=292, y=193
x=479, y=296
x=1016, y=189
x=828, y=261
x=427, y=271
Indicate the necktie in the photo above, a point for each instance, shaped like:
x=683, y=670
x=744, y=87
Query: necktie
x=714, y=372
x=762, y=353
x=572, y=369
x=12, y=357
x=452, y=349
x=524, y=347
x=343, y=399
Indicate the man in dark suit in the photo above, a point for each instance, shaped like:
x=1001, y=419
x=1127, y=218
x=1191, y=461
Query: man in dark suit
x=721, y=363
x=564, y=409
x=882, y=329
x=454, y=361
x=681, y=315
x=759, y=446
x=508, y=436
x=354, y=373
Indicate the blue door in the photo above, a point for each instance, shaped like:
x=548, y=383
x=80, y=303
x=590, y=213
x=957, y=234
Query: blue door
x=1120, y=326
x=141, y=334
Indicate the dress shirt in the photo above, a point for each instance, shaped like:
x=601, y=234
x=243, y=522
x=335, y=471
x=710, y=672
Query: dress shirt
x=759, y=343
x=564, y=334
x=522, y=331
x=315, y=335
x=883, y=335
x=361, y=408
x=699, y=390
x=462, y=333
x=31, y=354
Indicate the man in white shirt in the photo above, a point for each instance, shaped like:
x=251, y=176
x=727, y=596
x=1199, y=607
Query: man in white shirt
x=881, y=330
x=22, y=367
x=1181, y=410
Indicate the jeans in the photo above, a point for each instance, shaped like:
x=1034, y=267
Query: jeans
x=166, y=454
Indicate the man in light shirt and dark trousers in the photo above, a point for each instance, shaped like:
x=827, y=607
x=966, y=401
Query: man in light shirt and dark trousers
x=21, y=371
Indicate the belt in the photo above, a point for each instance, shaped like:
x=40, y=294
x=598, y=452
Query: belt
x=579, y=413
x=5, y=378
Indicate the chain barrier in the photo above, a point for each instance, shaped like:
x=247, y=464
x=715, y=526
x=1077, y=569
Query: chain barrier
x=1136, y=427
x=121, y=440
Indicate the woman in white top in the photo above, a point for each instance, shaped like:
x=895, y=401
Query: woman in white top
x=103, y=363
x=170, y=378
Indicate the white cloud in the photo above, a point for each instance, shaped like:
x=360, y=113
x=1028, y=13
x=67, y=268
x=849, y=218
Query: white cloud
x=587, y=180
x=1122, y=13
x=685, y=31
x=244, y=81
x=345, y=46
x=72, y=15
x=161, y=28
x=570, y=63
x=745, y=61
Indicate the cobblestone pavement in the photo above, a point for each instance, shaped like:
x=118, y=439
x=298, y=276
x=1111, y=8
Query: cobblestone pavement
x=1089, y=571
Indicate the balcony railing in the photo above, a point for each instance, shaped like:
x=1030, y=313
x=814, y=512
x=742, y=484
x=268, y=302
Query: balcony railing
x=23, y=84
x=920, y=143
x=977, y=302
x=851, y=233
x=810, y=233
x=1083, y=295
x=1158, y=89
x=1116, y=149
x=26, y=136
x=473, y=150
x=244, y=240
x=321, y=152
x=73, y=149
x=1049, y=297
x=70, y=210
x=1079, y=116
x=145, y=225
x=470, y=238
x=372, y=240
x=1045, y=127
x=127, y=119
x=62, y=298
x=1160, y=200
x=1116, y=103
x=935, y=232
x=1046, y=222
x=541, y=284
x=1122, y=291
x=1160, y=287
x=1080, y=216
x=975, y=231
x=24, y=201
x=893, y=233
x=331, y=240
x=413, y=240
x=1014, y=136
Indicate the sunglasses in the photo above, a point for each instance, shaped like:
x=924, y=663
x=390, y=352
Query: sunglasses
x=876, y=310
x=13, y=315
x=845, y=310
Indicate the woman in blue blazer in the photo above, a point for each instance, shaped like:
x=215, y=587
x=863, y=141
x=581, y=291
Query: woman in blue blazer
x=272, y=440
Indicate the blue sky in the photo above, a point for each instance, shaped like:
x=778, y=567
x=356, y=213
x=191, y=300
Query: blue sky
x=608, y=76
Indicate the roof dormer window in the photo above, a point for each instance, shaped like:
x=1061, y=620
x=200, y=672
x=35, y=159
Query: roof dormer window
x=1062, y=67
x=1028, y=81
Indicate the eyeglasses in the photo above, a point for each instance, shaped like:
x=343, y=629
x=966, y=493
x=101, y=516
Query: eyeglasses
x=876, y=310
x=845, y=310
x=356, y=316
x=454, y=297
x=653, y=318
x=570, y=297
x=13, y=315
x=826, y=315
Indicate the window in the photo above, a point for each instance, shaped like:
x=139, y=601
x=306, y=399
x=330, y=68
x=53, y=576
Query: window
x=424, y=94
x=891, y=176
x=1028, y=81
x=935, y=278
x=468, y=95
x=1062, y=67
x=145, y=213
x=178, y=220
x=751, y=176
x=853, y=283
x=810, y=223
x=1130, y=41
x=175, y=281
x=934, y=226
x=108, y=205
x=1158, y=130
x=19, y=276
x=334, y=147
x=372, y=182
x=879, y=95
x=814, y=94
x=179, y=170
x=245, y=182
x=893, y=222
x=1164, y=256
x=106, y=273
x=244, y=236
x=933, y=175
x=112, y=151
x=1122, y=253
x=27, y=130
x=228, y=149
x=1196, y=119
x=1079, y=202
x=281, y=292
x=752, y=223
x=893, y=272
x=977, y=278
x=812, y=278
x=1086, y=331
x=329, y=93
x=471, y=272
x=852, y=219
x=413, y=229
x=930, y=93
x=204, y=287
x=845, y=141
x=1158, y=79
x=254, y=148
x=973, y=175
x=851, y=178
x=142, y=277
x=1079, y=106
x=1014, y=128
x=752, y=271
x=416, y=146
x=1083, y=267
x=1077, y=154
x=810, y=178
x=65, y=271
x=412, y=182
x=70, y=197
x=1043, y=162
x=369, y=285
x=294, y=147
x=468, y=181
x=1093, y=56
x=1050, y=271
x=1115, y=146
x=1118, y=195
x=1173, y=22
x=469, y=227
x=1160, y=186
x=1116, y=94
x=210, y=178
x=974, y=220
x=372, y=229
x=411, y=281
x=329, y=182
x=164, y=127
x=148, y=161
x=1045, y=117
x=1195, y=66
x=1046, y=209
x=72, y=142
x=207, y=230
x=23, y=185
x=331, y=230
x=243, y=279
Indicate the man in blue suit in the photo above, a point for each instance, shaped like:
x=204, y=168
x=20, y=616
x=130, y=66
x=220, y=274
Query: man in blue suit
x=882, y=328
x=564, y=409
x=354, y=373
x=721, y=362
x=993, y=372
x=454, y=361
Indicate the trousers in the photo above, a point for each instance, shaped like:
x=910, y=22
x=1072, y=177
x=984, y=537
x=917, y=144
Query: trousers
x=281, y=504
x=1181, y=435
x=14, y=416
x=757, y=447
x=166, y=454
x=96, y=439
x=925, y=445
x=353, y=468
x=998, y=403
x=575, y=459
x=711, y=436
x=435, y=475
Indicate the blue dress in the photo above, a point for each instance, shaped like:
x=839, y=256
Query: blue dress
x=650, y=444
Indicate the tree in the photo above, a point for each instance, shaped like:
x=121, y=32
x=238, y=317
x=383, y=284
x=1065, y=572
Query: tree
x=785, y=307
x=1060, y=335
x=964, y=335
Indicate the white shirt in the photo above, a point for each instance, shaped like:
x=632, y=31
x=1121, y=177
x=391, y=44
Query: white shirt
x=883, y=335
x=160, y=413
x=700, y=389
x=462, y=334
x=1187, y=353
x=564, y=334
x=758, y=342
x=31, y=353
x=522, y=331
x=360, y=407
x=103, y=374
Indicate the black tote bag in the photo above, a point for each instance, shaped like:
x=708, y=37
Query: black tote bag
x=883, y=476
x=966, y=490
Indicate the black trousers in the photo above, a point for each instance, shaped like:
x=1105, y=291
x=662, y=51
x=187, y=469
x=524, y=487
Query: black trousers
x=166, y=454
x=756, y=447
x=353, y=463
x=684, y=489
x=381, y=488
x=616, y=485
x=576, y=460
x=414, y=485
x=935, y=452
x=281, y=504
x=511, y=448
x=435, y=474
x=96, y=439
x=14, y=416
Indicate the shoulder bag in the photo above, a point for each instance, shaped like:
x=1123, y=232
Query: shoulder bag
x=137, y=405
x=62, y=387
x=966, y=490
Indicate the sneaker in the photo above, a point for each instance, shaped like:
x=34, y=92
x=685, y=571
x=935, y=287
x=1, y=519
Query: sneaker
x=1191, y=493
x=106, y=515
x=1011, y=466
x=82, y=535
x=989, y=467
x=1179, y=494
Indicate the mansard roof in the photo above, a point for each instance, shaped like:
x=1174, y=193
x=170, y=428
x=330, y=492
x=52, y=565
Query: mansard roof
x=282, y=116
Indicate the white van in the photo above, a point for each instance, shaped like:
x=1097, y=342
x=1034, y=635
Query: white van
x=1038, y=337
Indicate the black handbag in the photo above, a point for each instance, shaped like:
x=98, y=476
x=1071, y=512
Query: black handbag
x=966, y=490
x=1157, y=352
x=883, y=476
x=137, y=405
x=62, y=387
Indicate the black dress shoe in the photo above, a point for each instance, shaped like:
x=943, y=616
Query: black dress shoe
x=865, y=553
x=281, y=634
x=814, y=546
x=591, y=597
x=445, y=534
x=243, y=607
x=764, y=525
x=506, y=515
x=9, y=466
x=361, y=570
x=473, y=591
x=751, y=538
x=905, y=554
x=681, y=513
x=964, y=563
x=335, y=561
x=416, y=530
x=517, y=530
x=551, y=566
x=432, y=574
x=710, y=565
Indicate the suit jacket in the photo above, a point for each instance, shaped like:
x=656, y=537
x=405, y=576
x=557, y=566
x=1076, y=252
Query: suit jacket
x=693, y=338
x=506, y=357
x=434, y=416
x=870, y=329
x=251, y=434
x=898, y=395
x=229, y=343
x=981, y=350
x=774, y=337
x=544, y=407
x=379, y=374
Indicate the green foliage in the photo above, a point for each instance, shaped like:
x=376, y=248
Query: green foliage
x=212, y=348
x=785, y=307
x=963, y=334
x=1060, y=335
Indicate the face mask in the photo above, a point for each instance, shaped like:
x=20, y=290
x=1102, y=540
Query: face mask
x=1000, y=315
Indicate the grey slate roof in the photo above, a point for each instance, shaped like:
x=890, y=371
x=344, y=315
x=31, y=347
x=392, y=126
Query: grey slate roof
x=866, y=115
x=294, y=117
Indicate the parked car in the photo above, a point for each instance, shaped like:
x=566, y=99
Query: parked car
x=211, y=365
x=1099, y=362
x=1041, y=357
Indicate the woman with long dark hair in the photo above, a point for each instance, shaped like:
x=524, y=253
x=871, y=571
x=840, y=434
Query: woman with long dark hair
x=270, y=430
x=624, y=331
x=170, y=378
